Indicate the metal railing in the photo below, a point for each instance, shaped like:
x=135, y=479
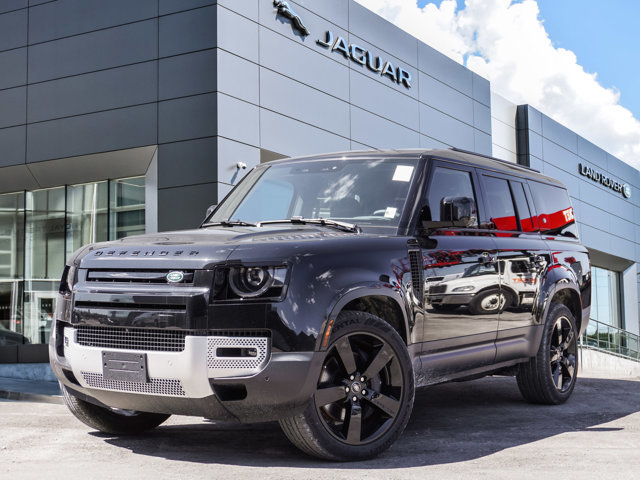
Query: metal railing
x=614, y=340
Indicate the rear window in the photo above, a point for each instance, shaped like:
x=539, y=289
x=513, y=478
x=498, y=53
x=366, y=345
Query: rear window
x=554, y=211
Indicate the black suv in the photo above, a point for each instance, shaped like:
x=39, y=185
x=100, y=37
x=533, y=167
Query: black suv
x=322, y=291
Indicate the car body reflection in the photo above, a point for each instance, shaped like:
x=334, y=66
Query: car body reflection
x=485, y=288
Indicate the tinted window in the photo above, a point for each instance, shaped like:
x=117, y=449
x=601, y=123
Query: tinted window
x=524, y=214
x=555, y=214
x=501, y=210
x=448, y=183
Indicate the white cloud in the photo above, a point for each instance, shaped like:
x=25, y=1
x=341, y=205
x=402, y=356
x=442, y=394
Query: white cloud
x=506, y=42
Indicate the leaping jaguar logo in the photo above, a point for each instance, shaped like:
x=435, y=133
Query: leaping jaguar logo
x=285, y=10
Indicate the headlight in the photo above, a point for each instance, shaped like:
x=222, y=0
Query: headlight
x=250, y=282
x=466, y=288
x=67, y=280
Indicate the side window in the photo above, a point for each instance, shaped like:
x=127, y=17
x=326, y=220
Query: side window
x=445, y=185
x=524, y=213
x=500, y=204
x=555, y=213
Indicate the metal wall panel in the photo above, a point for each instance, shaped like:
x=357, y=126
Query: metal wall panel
x=13, y=148
x=64, y=18
x=184, y=207
x=187, y=31
x=13, y=29
x=186, y=118
x=92, y=133
x=238, y=77
x=283, y=95
x=187, y=163
x=13, y=107
x=99, y=50
x=188, y=74
x=13, y=65
x=172, y=6
x=93, y=92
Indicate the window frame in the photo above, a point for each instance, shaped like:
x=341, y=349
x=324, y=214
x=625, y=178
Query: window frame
x=432, y=165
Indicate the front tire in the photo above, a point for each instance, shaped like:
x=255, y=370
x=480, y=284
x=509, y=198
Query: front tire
x=112, y=421
x=492, y=300
x=550, y=377
x=364, y=396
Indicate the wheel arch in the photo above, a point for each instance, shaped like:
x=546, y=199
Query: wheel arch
x=560, y=286
x=386, y=304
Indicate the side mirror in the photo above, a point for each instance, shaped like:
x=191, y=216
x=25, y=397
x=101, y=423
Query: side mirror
x=210, y=210
x=459, y=211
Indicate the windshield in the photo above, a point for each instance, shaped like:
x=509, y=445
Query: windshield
x=363, y=192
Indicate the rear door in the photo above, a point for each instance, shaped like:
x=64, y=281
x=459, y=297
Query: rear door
x=522, y=256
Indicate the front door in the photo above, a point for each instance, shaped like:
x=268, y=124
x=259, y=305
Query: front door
x=460, y=267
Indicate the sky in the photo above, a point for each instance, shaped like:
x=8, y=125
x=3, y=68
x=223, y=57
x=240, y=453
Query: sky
x=574, y=60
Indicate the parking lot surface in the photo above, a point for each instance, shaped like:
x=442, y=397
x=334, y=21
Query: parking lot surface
x=479, y=429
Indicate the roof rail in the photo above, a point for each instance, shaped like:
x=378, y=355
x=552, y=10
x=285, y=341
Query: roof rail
x=456, y=149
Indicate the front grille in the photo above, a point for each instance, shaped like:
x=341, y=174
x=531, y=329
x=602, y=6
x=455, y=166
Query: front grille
x=157, y=276
x=148, y=339
x=438, y=289
x=129, y=306
x=157, y=386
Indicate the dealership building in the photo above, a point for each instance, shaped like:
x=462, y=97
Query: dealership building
x=120, y=117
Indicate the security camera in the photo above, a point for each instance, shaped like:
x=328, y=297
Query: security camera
x=241, y=165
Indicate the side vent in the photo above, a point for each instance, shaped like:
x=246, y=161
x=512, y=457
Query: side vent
x=417, y=274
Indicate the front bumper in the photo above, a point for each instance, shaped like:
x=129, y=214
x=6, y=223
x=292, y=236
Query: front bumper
x=194, y=381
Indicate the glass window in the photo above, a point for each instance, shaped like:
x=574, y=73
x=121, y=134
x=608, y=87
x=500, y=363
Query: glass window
x=127, y=208
x=555, y=213
x=45, y=233
x=500, y=204
x=86, y=215
x=447, y=183
x=368, y=192
x=524, y=213
x=605, y=296
x=39, y=229
x=11, y=235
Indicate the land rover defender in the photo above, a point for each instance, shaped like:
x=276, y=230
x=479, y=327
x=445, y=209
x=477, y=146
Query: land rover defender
x=322, y=291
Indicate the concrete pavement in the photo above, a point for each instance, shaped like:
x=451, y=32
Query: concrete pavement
x=479, y=429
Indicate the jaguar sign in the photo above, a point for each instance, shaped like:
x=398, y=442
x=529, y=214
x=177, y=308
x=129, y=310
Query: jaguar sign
x=350, y=51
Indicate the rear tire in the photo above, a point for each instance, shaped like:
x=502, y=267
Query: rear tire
x=364, y=396
x=112, y=421
x=550, y=377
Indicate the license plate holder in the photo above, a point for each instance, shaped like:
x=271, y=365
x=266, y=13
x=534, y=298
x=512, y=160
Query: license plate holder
x=125, y=367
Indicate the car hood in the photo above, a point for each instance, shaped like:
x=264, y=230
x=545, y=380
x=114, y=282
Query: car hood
x=201, y=248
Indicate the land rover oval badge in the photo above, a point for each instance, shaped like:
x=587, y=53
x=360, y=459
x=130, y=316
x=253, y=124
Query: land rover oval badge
x=175, y=277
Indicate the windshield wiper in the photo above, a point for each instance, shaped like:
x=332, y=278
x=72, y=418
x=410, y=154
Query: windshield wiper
x=327, y=222
x=232, y=223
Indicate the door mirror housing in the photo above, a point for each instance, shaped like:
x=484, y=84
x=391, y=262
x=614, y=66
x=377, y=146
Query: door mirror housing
x=210, y=210
x=459, y=211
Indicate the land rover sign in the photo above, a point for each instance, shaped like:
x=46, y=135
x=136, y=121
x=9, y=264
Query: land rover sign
x=605, y=180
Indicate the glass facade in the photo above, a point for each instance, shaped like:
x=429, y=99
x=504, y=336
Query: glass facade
x=605, y=297
x=39, y=229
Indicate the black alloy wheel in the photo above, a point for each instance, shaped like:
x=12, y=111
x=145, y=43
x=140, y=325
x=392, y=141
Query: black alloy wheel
x=364, y=394
x=550, y=377
x=360, y=389
x=563, y=354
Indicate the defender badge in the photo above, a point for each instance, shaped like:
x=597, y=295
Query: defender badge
x=175, y=277
x=285, y=10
